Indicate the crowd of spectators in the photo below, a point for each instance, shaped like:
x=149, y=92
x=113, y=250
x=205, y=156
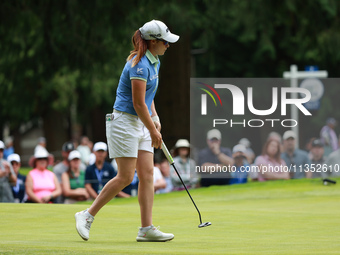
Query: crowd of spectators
x=85, y=169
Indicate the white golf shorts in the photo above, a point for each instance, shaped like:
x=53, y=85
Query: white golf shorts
x=126, y=135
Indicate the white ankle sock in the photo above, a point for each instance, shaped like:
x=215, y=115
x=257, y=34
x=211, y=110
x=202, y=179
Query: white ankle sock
x=88, y=214
x=145, y=228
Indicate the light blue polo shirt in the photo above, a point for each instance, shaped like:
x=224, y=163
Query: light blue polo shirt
x=146, y=70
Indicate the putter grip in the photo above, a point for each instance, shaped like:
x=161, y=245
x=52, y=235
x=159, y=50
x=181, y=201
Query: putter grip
x=167, y=153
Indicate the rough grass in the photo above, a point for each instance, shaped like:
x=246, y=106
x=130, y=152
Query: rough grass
x=281, y=217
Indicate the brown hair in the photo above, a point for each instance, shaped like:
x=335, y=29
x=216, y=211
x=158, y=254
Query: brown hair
x=277, y=156
x=140, y=46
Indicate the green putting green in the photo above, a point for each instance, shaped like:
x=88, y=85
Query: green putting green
x=278, y=217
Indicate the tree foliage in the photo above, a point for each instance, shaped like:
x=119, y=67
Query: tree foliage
x=69, y=53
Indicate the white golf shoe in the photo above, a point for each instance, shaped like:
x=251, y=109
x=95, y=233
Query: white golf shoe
x=153, y=235
x=83, y=224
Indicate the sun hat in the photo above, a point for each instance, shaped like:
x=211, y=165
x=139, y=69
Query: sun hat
x=41, y=154
x=156, y=29
x=182, y=143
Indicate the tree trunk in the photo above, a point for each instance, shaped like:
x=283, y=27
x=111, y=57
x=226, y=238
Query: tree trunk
x=173, y=98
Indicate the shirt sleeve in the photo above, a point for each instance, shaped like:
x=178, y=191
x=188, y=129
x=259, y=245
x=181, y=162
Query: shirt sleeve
x=139, y=72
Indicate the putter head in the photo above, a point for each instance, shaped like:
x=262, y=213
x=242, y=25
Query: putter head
x=205, y=224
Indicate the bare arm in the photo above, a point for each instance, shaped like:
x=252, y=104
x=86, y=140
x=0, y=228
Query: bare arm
x=123, y=194
x=79, y=193
x=159, y=184
x=90, y=190
x=138, y=98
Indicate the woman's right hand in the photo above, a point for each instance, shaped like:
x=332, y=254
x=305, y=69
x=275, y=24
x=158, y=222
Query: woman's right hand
x=156, y=138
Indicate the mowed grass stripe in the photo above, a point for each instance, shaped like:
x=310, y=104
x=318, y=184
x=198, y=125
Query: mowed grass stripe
x=282, y=217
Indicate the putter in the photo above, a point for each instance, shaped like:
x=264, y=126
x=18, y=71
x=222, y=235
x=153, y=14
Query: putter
x=171, y=161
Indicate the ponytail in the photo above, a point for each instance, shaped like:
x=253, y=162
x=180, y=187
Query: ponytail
x=140, y=46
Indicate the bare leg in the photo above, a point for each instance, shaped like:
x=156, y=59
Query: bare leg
x=145, y=188
x=124, y=177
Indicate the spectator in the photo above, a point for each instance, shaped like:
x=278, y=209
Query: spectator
x=42, y=185
x=9, y=147
x=333, y=163
x=297, y=160
x=316, y=156
x=19, y=192
x=7, y=178
x=164, y=166
x=212, y=156
x=73, y=180
x=185, y=166
x=64, y=165
x=241, y=164
x=250, y=154
x=84, y=150
x=328, y=136
x=98, y=174
x=158, y=180
x=269, y=164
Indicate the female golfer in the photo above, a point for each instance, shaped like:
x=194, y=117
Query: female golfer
x=135, y=129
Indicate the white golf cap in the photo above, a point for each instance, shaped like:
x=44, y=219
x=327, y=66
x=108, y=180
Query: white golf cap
x=239, y=148
x=156, y=29
x=2, y=145
x=74, y=154
x=289, y=134
x=13, y=157
x=214, y=133
x=182, y=143
x=100, y=146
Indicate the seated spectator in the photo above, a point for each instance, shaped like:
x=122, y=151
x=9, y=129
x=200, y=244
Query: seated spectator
x=212, y=156
x=333, y=163
x=270, y=164
x=250, y=154
x=8, y=178
x=84, y=149
x=316, y=156
x=73, y=180
x=241, y=164
x=101, y=172
x=164, y=167
x=64, y=165
x=42, y=185
x=328, y=136
x=9, y=147
x=184, y=165
x=158, y=180
x=297, y=160
x=19, y=192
